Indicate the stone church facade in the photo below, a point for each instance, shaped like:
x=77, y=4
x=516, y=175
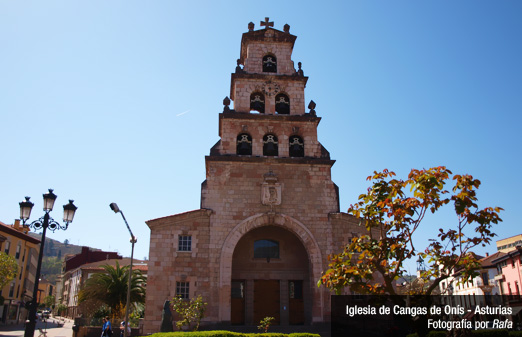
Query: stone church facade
x=270, y=211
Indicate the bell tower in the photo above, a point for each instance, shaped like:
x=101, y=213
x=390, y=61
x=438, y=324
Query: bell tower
x=269, y=119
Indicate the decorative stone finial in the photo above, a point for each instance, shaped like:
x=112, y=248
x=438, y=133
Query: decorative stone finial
x=300, y=71
x=311, y=106
x=266, y=23
x=238, y=67
x=286, y=28
x=251, y=26
x=226, y=103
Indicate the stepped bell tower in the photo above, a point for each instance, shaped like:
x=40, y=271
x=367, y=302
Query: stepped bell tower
x=269, y=212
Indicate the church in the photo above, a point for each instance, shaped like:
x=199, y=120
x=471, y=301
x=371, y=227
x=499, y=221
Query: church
x=270, y=212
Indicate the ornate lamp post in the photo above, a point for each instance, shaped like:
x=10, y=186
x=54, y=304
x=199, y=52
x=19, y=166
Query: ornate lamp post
x=133, y=240
x=43, y=223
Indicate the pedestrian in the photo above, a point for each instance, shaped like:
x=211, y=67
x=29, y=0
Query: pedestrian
x=107, y=328
x=122, y=329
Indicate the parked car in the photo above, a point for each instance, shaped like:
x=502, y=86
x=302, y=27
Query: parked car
x=46, y=314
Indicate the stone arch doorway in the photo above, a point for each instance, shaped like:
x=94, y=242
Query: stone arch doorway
x=232, y=271
x=270, y=277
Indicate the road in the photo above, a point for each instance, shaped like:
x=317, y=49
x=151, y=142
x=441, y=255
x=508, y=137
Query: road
x=50, y=328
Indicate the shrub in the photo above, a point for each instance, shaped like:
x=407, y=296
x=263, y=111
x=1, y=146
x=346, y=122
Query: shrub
x=189, y=311
x=265, y=324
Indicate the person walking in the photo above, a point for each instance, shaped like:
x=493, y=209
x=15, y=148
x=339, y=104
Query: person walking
x=122, y=329
x=107, y=328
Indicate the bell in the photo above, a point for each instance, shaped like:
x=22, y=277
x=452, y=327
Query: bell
x=283, y=108
x=270, y=149
x=296, y=150
x=258, y=106
x=244, y=148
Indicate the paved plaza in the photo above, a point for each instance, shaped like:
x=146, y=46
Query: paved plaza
x=49, y=328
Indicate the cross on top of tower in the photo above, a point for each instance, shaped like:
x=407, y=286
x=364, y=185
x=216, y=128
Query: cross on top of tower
x=266, y=23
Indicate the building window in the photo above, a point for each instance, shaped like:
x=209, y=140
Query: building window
x=11, y=289
x=244, y=145
x=7, y=246
x=182, y=290
x=282, y=104
x=270, y=145
x=18, y=250
x=266, y=249
x=257, y=102
x=238, y=289
x=296, y=146
x=184, y=243
x=295, y=288
x=269, y=64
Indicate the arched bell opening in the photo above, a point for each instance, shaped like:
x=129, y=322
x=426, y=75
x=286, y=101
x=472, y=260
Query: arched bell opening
x=244, y=144
x=257, y=102
x=269, y=63
x=270, y=277
x=296, y=146
x=282, y=104
x=270, y=145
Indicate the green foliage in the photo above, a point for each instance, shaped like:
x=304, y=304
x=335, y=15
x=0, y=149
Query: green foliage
x=515, y=334
x=265, y=323
x=51, y=267
x=49, y=301
x=189, y=312
x=8, y=269
x=110, y=288
x=61, y=309
x=392, y=211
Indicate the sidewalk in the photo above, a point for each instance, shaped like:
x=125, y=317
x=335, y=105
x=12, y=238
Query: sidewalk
x=50, y=327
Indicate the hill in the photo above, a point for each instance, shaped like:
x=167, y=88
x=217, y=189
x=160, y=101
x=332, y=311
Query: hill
x=54, y=255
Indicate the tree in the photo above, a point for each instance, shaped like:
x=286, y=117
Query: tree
x=189, y=312
x=49, y=301
x=110, y=288
x=392, y=211
x=8, y=269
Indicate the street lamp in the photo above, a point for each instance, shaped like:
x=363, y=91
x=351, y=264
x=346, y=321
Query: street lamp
x=133, y=240
x=43, y=223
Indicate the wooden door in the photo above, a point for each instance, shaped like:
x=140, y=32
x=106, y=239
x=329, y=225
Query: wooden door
x=266, y=300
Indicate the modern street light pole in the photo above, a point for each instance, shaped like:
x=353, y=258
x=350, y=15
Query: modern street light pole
x=43, y=223
x=133, y=240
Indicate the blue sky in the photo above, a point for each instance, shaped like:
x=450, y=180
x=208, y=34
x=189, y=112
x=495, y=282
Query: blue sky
x=118, y=101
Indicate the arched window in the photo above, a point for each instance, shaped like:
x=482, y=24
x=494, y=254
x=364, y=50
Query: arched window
x=296, y=146
x=282, y=104
x=269, y=64
x=270, y=145
x=266, y=249
x=244, y=144
x=257, y=102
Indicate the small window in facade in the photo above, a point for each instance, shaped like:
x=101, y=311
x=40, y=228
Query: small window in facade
x=7, y=246
x=11, y=289
x=184, y=243
x=296, y=146
x=270, y=145
x=257, y=102
x=244, y=144
x=266, y=249
x=269, y=64
x=182, y=290
x=295, y=289
x=18, y=250
x=282, y=104
x=238, y=289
